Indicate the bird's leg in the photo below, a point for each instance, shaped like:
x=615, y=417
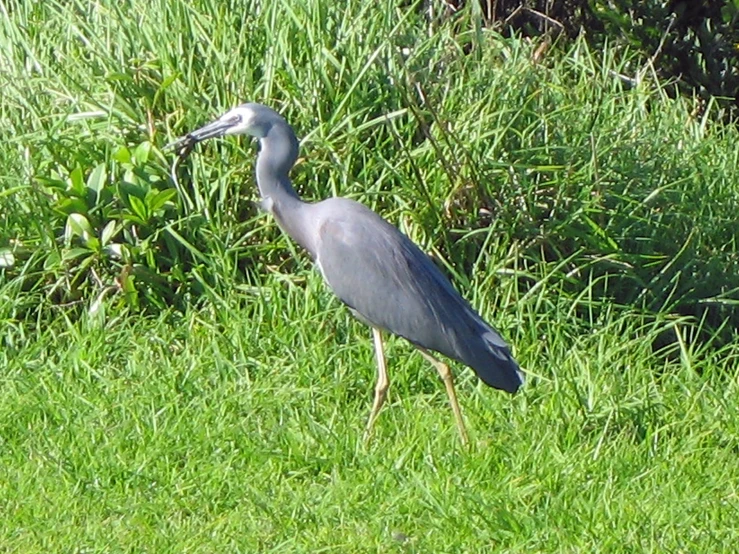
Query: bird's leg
x=446, y=376
x=382, y=382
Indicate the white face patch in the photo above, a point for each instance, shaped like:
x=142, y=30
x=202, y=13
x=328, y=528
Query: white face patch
x=246, y=124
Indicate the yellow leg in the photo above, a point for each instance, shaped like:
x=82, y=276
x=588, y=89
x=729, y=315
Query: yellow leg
x=446, y=376
x=382, y=383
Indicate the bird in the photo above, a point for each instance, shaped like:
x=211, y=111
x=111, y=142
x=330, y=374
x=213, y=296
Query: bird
x=379, y=273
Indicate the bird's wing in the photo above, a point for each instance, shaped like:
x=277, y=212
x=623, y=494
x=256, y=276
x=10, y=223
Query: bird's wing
x=391, y=284
x=381, y=274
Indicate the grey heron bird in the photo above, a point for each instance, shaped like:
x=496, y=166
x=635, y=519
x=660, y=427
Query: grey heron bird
x=373, y=268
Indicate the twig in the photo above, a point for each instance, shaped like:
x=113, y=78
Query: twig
x=658, y=51
x=546, y=18
x=543, y=16
x=636, y=81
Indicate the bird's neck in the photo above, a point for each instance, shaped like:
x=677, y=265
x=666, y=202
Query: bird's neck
x=278, y=152
x=277, y=155
x=275, y=187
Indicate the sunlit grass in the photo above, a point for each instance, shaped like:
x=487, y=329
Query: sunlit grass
x=242, y=430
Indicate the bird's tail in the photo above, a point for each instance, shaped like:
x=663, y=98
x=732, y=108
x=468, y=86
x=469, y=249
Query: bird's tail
x=489, y=355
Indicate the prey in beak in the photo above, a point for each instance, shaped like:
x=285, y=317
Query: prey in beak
x=184, y=145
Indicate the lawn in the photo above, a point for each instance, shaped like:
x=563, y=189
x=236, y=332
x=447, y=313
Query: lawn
x=202, y=391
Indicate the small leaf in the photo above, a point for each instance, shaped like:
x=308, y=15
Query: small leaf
x=96, y=179
x=130, y=177
x=52, y=260
x=138, y=207
x=158, y=201
x=142, y=152
x=116, y=250
x=52, y=184
x=79, y=225
x=92, y=242
x=76, y=183
x=168, y=81
x=128, y=188
x=74, y=253
x=108, y=233
x=69, y=206
x=122, y=155
x=133, y=219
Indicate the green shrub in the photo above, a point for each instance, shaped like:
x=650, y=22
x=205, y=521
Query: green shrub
x=693, y=45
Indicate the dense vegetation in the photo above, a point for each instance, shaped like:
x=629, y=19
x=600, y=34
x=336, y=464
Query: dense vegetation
x=691, y=45
x=175, y=377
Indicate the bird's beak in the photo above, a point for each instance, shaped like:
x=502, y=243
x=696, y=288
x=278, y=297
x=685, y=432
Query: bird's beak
x=217, y=128
x=214, y=129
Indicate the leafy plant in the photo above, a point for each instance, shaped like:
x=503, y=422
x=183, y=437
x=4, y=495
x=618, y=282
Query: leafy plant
x=106, y=228
x=693, y=44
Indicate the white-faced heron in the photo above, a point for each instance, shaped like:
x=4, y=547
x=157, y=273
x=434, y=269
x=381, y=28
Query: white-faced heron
x=378, y=272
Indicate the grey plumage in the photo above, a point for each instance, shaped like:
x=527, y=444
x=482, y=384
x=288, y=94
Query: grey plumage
x=383, y=276
x=373, y=268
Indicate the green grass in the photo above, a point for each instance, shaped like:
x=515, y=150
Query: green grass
x=223, y=409
x=242, y=431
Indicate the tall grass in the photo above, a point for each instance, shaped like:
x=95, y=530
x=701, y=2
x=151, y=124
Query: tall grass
x=175, y=377
x=555, y=160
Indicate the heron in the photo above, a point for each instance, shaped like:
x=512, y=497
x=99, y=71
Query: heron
x=383, y=277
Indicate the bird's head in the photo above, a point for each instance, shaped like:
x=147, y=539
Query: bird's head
x=247, y=119
x=279, y=144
